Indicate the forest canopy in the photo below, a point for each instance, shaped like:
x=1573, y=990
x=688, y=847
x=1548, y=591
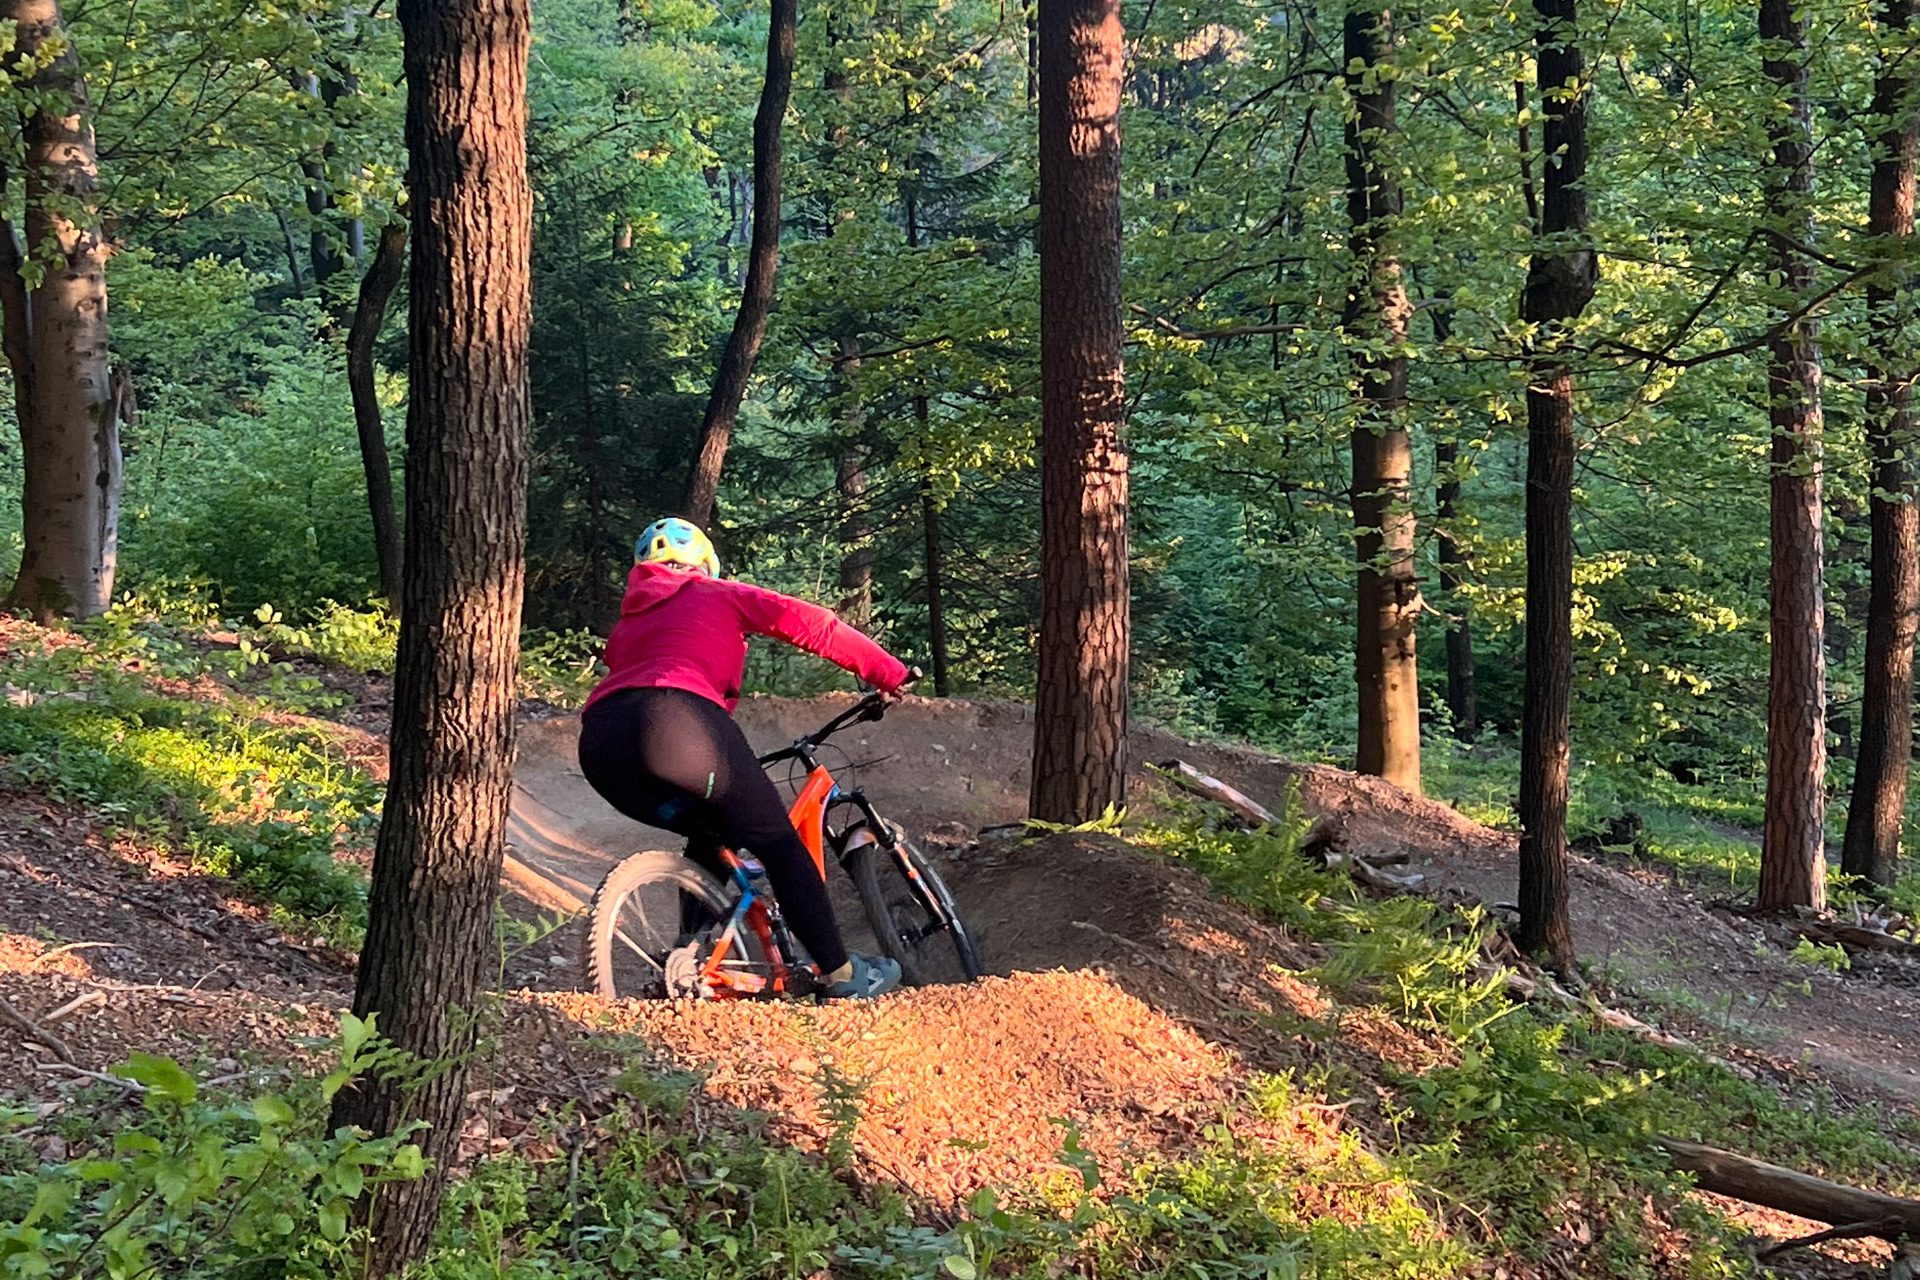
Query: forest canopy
x=250, y=154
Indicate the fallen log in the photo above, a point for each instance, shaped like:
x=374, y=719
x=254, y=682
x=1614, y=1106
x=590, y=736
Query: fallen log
x=1854, y=938
x=1801, y=1194
x=1205, y=784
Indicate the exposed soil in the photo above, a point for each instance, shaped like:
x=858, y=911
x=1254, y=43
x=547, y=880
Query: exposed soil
x=1129, y=1001
x=946, y=769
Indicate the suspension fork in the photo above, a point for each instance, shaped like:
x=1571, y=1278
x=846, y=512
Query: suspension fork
x=873, y=829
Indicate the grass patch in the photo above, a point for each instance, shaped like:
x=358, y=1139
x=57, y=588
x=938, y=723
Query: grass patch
x=202, y=774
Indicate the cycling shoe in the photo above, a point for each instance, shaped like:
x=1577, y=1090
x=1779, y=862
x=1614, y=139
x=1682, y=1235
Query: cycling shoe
x=872, y=976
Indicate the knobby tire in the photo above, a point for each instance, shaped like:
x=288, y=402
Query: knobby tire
x=898, y=912
x=605, y=948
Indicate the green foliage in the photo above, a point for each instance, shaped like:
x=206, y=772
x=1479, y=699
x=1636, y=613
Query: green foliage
x=560, y=667
x=208, y=1184
x=359, y=640
x=1528, y=1115
x=265, y=803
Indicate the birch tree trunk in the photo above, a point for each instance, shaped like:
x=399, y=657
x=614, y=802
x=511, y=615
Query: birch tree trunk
x=57, y=342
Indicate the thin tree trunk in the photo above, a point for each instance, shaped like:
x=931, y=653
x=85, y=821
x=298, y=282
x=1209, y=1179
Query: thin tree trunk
x=1793, y=840
x=328, y=261
x=763, y=262
x=1877, y=808
x=294, y=273
x=70, y=443
x=929, y=505
x=1463, y=701
x=376, y=288
x=850, y=486
x=1560, y=284
x=1388, y=591
x=936, y=585
x=436, y=869
x=1080, y=721
x=599, y=604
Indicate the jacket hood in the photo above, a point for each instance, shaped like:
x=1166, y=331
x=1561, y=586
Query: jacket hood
x=651, y=583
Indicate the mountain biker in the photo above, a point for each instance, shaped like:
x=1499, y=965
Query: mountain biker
x=658, y=740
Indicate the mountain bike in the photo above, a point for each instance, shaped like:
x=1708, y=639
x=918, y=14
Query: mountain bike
x=662, y=926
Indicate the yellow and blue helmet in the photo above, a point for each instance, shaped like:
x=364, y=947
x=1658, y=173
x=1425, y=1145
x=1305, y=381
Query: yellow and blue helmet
x=677, y=541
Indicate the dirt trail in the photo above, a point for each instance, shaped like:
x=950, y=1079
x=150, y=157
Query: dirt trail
x=946, y=769
x=1131, y=1002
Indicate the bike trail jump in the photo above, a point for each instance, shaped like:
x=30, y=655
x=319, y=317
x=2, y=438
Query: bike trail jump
x=929, y=763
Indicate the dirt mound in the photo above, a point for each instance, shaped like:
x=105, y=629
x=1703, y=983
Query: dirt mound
x=937, y=765
x=958, y=1088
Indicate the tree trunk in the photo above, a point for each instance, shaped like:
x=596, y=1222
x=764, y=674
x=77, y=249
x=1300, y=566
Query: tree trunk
x=1560, y=284
x=376, y=288
x=1463, y=700
x=294, y=273
x=850, y=484
x=1388, y=591
x=69, y=431
x=600, y=605
x=1080, y=721
x=1877, y=807
x=763, y=261
x=936, y=585
x=1793, y=841
x=929, y=507
x=436, y=868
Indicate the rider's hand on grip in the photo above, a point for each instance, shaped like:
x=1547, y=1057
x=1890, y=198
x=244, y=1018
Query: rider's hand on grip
x=890, y=696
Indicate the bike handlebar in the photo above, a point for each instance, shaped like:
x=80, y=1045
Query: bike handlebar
x=871, y=707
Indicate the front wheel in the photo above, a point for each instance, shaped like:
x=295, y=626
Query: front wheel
x=646, y=907
x=912, y=912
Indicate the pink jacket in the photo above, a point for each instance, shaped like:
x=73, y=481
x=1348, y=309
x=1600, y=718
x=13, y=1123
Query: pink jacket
x=681, y=630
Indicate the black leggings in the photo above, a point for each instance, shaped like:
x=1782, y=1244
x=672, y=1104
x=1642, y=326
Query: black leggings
x=673, y=759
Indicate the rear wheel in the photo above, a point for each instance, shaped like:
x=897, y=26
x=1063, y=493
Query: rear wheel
x=912, y=912
x=642, y=911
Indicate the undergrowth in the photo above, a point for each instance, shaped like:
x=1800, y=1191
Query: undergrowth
x=130, y=720
x=1543, y=1126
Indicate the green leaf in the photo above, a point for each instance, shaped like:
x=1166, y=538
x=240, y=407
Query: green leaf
x=269, y=1109
x=333, y=1219
x=407, y=1163
x=354, y=1034
x=162, y=1075
x=960, y=1267
x=50, y=1202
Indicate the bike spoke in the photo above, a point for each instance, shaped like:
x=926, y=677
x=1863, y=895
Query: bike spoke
x=635, y=948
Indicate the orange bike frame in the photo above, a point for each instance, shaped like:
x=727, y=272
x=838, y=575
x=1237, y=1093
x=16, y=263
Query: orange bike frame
x=809, y=818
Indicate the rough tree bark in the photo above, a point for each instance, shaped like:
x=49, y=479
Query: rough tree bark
x=1878, y=804
x=1463, y=699
x=1080, y=721
x=436, y=868
x=1793, y=840
x=57, y=339
x=369, y=313
x=763, y=262
x=1561, y=278
x=1388, y=590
